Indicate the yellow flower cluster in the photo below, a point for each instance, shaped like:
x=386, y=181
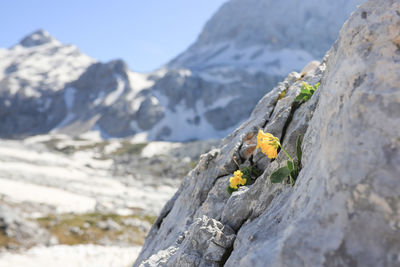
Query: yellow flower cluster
x=268, y=143
x=237, y=179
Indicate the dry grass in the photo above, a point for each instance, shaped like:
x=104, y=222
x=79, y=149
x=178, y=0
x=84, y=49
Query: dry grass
x=6, y=241
x=89, y=231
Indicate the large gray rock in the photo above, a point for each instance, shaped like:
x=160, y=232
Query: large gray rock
x=204, y=244
x=344, y=207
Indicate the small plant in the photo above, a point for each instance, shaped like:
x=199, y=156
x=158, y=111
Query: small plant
x=236, y=181
x=306, y=92
x=269, y=145
x=241, y=177
x=282, y=94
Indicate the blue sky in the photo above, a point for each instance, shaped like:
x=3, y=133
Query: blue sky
x=145, y=33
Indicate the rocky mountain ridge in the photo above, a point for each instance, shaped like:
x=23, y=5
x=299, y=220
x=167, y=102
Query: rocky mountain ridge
x=46, y=86
x=344, y=207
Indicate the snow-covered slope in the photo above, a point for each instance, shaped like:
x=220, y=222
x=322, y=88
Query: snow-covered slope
x=207, y=91
x=32, y=77
x=77, y=182
x=272, y=36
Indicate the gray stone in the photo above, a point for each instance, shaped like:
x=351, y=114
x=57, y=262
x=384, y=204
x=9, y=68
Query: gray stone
x=149, y=113
x=109, y=225
x=204, y=244
x=26, y=233
x=343, y=209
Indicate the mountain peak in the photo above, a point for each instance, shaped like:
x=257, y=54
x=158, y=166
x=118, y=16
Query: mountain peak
x=37, y=38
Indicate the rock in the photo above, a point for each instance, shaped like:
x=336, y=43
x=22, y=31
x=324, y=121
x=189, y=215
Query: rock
x=24, y=233
x=204, y=244
x=143, y=226
x=109, y=225
x=76, y=230
x=39, y=37
x=343, y=208
x=149, y=113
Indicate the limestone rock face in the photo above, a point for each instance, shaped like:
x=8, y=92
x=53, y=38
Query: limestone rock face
x=204, y=244
x=344, y=208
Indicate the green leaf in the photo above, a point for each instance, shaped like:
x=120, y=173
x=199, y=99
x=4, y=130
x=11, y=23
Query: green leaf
x=299, y=98
x=294, y=174
x=251, y=173
x=290, y=165
x=296, y=165
x=230, y=190
x=305, y=91
x=298, y=149
x=291, y=180
x=317, y=85
x=279, y=175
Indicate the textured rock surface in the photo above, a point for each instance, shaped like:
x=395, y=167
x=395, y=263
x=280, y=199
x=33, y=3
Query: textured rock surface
x=344, y=207
x=204, y=244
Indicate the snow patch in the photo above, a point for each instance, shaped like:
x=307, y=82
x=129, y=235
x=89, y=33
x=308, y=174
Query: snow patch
x=73, y=183
x=139, y=81
x=178, y=122
x=64, y=201
x=256, y=58
x=158, y=148
x=113, y=146
x=72, y=256
x=114, y=95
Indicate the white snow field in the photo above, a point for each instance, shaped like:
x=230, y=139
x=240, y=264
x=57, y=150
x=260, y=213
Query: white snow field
x=42, y=181
x=72, y=256
x=72, y=183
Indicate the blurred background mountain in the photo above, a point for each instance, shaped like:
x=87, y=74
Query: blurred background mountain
x=205, y=92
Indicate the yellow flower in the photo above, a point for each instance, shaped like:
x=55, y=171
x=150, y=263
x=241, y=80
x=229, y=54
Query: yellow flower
x=268, y=143
x=237, y=180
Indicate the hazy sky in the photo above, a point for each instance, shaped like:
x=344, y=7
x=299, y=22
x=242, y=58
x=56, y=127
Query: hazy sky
x=145, y=33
